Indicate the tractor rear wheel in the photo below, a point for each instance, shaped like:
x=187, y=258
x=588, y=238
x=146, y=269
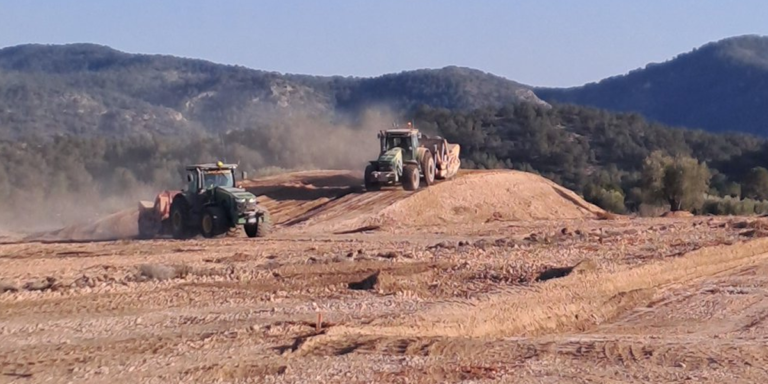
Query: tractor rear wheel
x=410, y=177
x=370, y=184
x=261, y=229
x=212, y=223
x=180, y=219
x=428, y=167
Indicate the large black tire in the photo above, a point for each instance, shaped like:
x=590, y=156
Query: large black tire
x=411, y=177
x=428, y=167
x=370, y=184
x=213, y=223
x=259, y=229
x=180, y=219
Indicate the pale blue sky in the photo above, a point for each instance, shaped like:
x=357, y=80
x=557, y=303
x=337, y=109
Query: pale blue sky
x=546, y=43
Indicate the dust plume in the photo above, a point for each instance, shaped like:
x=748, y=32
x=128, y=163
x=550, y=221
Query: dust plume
x=80, y=180
x=303, y=141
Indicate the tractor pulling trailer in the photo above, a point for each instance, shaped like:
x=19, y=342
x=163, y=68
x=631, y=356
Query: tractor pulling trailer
x=407, y=156
x=210, y=204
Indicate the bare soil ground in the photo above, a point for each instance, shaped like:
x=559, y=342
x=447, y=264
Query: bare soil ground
x=492, y=277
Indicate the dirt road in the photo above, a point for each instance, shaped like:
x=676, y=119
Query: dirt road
x=490, y=298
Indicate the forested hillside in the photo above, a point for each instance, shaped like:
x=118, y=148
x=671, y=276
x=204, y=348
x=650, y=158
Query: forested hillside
x=89, y=90
x=721, y=86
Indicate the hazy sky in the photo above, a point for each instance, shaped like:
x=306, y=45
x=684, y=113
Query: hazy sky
x=548, y=43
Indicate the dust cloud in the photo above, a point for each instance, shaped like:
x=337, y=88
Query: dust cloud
x=299, y=141
x=290, y=140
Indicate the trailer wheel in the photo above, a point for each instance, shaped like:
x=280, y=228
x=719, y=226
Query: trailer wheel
x=428, y=167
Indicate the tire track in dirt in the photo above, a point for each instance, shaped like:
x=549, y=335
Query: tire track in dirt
x=574, y=303
x=626, y=351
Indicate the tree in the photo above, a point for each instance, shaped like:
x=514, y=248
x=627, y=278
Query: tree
x=680, y=181
x=756, y=184
x=685, y=183
x=652, y=176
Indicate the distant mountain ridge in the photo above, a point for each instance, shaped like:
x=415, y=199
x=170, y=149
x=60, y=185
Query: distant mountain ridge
x=720, y=86
x=87, y=89
x=93, y=90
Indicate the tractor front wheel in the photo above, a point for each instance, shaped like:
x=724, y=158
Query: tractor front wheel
x=411, y=177
x=261, y=229
x=370, y=183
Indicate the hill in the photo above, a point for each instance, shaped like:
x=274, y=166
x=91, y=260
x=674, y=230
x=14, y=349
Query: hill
x=721, y=86
x=87, y=89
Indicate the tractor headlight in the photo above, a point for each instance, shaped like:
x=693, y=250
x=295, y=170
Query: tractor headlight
x=240, y=204
x=251, y=200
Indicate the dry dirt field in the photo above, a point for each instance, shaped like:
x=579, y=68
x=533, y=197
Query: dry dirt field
x=491, y=277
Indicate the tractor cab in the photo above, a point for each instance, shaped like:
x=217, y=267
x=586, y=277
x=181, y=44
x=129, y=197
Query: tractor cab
x=405, y=139
x=203, y=177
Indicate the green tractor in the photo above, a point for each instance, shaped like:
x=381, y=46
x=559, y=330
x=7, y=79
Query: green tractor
x=408, y=157
x=210, y=204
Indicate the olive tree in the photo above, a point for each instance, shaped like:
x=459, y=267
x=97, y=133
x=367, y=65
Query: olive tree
x=681, y=181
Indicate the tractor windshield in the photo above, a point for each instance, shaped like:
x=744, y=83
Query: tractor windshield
x=403, y=142
x=217, y=179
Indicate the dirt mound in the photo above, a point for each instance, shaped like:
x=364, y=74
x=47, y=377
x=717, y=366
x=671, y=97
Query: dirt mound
x=473, y=197
x=503, y=195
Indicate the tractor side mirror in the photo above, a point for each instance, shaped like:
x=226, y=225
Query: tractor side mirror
x=189, y=177
x=243, y=175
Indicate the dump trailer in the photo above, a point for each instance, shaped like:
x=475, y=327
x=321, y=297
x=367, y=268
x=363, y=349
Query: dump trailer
x=211, y=205
x=408, y=157
x=447, y=161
